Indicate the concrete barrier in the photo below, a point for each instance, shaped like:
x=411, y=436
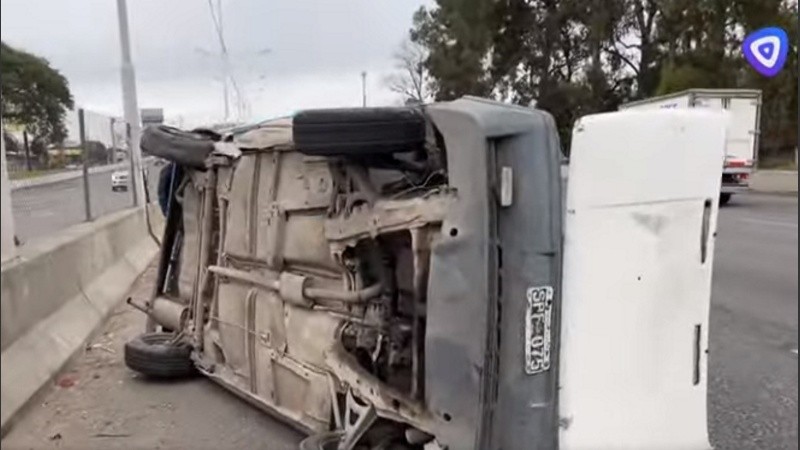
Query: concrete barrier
x=56, y=291
x=774, y=181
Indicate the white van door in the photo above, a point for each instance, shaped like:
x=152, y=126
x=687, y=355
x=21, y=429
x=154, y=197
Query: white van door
x=743, y=130
x=641, y=217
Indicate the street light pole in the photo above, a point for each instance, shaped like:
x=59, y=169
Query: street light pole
x=130, y=104
x=364, y=89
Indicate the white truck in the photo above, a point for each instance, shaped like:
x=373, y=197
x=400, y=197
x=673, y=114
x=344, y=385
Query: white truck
x=744, y=108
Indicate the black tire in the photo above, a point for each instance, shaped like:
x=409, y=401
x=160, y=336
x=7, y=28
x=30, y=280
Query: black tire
x=153, y=355
x=724, y=199
x=358, y=131
x=186, y=148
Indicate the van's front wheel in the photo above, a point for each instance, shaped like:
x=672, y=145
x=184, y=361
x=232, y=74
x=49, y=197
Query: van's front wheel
x=724, y=199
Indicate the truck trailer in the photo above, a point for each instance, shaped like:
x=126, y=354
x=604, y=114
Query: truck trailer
x=744, y=108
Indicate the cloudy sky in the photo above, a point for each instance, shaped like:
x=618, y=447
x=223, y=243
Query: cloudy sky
x=317, y=51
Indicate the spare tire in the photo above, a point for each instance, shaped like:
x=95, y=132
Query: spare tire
x=154, y=355
x=358, y=131
x=185, y=148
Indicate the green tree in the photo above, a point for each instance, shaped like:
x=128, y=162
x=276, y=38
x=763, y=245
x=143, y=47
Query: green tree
x=457, y=35
x=779, y=110
x=34, y=95
x=703, y=44
x=576, y=57
x=411, y=80
x=551, y=52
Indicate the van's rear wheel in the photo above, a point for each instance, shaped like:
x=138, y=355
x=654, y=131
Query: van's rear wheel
x=724, y=198
x=156, y=355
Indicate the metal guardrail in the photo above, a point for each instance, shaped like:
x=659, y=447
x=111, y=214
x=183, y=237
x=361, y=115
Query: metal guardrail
x=99, y=145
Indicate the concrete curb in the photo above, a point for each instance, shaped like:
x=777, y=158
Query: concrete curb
x=33, y=355
x=774, y=181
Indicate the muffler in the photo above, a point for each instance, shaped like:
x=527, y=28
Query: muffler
x=163, y=311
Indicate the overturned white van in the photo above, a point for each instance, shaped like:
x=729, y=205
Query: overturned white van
x=408, y=278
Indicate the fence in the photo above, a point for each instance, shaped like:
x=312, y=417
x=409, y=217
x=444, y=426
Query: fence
x=90, y=175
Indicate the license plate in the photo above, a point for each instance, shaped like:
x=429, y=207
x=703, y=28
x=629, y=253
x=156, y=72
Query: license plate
x=538, y=314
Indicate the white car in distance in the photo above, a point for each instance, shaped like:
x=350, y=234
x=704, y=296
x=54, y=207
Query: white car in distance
x=119, y=180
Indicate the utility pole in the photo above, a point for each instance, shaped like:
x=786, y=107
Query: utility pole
x=87, y=201
x=226, y=66
x=113, y=152
x=27, y=146
x=227, y=76
x=364, y=89
x=130, y=104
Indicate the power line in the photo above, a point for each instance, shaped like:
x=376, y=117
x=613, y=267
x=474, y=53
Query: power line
x=216, y=19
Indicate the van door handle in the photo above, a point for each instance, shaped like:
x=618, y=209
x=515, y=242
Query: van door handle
x=704, y=231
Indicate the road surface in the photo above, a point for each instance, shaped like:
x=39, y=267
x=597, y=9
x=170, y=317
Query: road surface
x=97, y=403
x=753, y=333
x=43, y=210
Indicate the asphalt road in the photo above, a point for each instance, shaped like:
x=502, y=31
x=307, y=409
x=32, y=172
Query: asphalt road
x=98, y=403
x=753, y=333
x=42, y=210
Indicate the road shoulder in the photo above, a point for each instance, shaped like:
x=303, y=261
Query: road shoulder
x=97, y=403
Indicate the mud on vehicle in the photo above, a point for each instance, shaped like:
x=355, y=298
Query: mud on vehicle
x=342, y=269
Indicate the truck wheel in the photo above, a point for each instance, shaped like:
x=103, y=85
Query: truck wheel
x=358, y=132
x=724, y=199
x=154, y=355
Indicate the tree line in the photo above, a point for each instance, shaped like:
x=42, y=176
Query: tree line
x=35, y=97
x=577, y=57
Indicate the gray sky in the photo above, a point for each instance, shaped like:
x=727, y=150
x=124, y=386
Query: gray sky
x=318, y=50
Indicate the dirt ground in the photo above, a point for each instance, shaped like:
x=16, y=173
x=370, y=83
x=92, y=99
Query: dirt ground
x=97, y=403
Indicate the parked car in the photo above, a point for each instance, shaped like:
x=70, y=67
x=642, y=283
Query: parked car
x=392, y=277
x=120, y=180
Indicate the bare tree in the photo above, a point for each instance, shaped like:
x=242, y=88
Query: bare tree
x=412, y=79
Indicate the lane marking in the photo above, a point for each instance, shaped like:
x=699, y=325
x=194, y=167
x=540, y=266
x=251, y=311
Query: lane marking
x=770, y=222
x=794, y=351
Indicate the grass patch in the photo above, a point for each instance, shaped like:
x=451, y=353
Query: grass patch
x=24, y=174
x=777, y=165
